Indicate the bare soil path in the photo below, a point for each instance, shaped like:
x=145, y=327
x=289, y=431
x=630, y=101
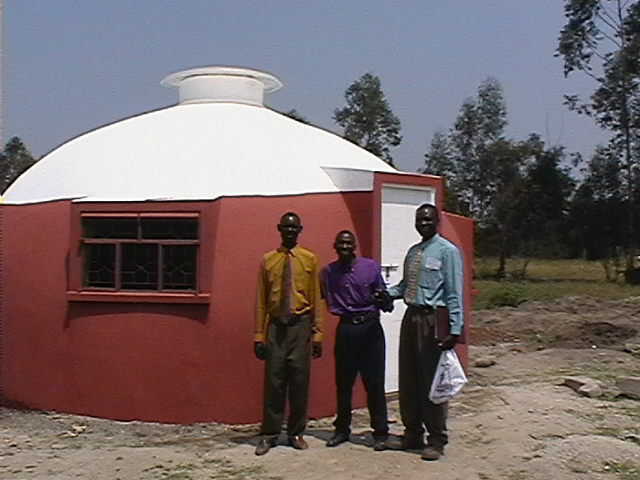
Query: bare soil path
x=513, y=421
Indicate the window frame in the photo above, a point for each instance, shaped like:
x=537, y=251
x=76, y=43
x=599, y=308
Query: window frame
x=78, y=290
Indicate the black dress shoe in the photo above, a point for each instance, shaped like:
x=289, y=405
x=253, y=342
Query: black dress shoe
x=403, y=443
x=265, y=444
x=337, y=439
x=379, y=444
x=412, y=442
x=432, y=453
x=298, y=442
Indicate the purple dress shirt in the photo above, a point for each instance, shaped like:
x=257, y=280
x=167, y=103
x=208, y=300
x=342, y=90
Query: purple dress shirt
x=349, y=289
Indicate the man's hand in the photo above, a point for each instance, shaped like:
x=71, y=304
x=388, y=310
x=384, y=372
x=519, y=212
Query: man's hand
x=316, y=349
x=383, y=300
x=448, y=342
x=260, y=349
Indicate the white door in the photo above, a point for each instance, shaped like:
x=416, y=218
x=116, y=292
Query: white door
x=399, y=204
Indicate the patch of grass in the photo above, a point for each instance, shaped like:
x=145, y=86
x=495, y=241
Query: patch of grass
x=632, y=411
x=507, y=294
x=178, y=475
x=213, y=468
x=543, y=269
x=545, y=280
x=624, y=470
x=613, y=432
x=172, y=472
x=605, y=373
x=488, y=290
x=223, y=469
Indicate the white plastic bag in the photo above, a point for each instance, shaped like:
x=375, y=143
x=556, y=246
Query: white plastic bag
x=448, y=379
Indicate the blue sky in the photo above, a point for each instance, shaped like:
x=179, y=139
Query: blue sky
x=72, y=65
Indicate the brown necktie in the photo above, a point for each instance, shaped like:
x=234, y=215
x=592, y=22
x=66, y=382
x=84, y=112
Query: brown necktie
x=285, y=299
x=413, y=272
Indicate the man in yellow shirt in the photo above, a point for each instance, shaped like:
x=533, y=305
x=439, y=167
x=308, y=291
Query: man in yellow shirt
x=288, y=333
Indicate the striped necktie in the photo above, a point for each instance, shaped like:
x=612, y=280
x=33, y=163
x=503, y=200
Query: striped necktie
x=411, y=276
x=285, y=299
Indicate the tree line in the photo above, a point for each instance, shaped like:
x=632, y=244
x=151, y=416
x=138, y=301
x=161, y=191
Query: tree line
x=528, y=198
x=15, y=158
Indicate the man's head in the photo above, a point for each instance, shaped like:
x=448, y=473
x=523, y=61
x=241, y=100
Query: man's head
x=345, y=245
x=427, y=219
x=289, y=228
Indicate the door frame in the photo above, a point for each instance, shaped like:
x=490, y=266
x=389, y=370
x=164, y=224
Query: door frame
x=398, y=180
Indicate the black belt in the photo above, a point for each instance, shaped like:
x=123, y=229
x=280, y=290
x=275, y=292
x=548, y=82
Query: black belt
x=359, y=318
x=288, y=320
x=423, y=308
x=423, y=313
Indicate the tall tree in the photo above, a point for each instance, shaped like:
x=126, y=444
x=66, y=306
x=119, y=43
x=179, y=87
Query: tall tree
x=479, y=125
x=602, y=40
x=543, y=206
x=506, y=189
x=367, y=119
x=598, y=211
x=438, y=161
x=14, y=159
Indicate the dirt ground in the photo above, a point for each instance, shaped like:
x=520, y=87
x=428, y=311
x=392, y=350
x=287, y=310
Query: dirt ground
x=513, y=420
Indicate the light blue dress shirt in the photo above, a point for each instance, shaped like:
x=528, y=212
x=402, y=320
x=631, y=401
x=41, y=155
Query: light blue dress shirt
x=439, y=279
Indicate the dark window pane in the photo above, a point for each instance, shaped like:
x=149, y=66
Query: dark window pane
x=110, y=227
x=179, y=267
x=139, y=266
x=170, y=228
x=100, y=261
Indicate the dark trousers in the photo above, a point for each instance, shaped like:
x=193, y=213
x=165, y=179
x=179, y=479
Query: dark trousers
x=287, y=372
x=419, y=357
x=361, y=349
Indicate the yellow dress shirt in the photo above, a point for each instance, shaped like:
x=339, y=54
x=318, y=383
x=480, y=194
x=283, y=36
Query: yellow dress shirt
x=305, y=289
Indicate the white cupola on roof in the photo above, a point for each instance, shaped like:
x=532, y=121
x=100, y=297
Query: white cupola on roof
x=219, y=140
x=222, y=84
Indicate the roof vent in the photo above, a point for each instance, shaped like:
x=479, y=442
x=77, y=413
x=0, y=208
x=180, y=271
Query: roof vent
x=222, y=84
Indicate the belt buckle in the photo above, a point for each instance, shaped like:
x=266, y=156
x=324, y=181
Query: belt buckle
x=358, y=319
x=286, y=320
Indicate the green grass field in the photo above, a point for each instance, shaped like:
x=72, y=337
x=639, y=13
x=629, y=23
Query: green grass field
x=545, y=280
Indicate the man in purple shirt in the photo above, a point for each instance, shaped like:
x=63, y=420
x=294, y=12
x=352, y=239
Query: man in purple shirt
x=354, y=290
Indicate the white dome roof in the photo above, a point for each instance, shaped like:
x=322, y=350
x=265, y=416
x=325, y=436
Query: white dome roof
x=196, y=151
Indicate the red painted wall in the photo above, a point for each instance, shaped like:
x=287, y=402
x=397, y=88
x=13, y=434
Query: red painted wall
x=246, y=229
x=155, y=361
x=459, y=230
x=34, y=370
x=160, y=361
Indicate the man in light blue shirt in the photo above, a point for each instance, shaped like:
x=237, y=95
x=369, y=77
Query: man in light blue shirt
x=432, y=279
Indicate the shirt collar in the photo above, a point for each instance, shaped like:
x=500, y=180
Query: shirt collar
x=349, y=267
x=285, y=250
x=426, y=243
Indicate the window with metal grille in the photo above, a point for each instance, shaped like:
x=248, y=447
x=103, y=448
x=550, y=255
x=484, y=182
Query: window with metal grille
x=140, y=252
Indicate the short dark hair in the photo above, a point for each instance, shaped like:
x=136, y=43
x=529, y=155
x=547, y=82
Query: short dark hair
x=346, y=232
x=290, y=214
x=432, y=207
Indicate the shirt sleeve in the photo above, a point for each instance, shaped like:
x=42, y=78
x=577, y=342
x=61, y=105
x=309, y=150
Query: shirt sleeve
x=261, y=306
x=324, y=274
x=397, y=291
x=378, y=283
x=453, y=289
x=317, y=303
